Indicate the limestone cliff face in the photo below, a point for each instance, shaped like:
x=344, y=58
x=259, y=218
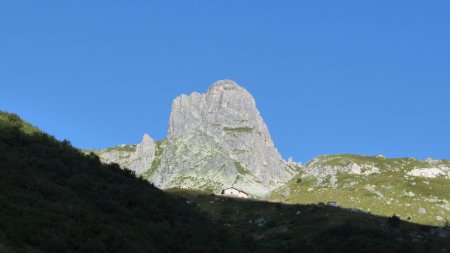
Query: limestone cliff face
x=215, y=140
x=228, y=112
x=138, y=158
x=142, y=159
x=218, y=139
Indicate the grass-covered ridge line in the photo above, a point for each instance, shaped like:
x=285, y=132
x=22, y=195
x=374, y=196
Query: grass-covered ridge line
x=127, y=148
x=122, y=148
x=14, y=120
x=389, y=187
x=379, y=161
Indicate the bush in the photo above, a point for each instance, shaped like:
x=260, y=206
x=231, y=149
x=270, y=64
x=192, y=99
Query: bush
x=15, y=120
x=393, y=221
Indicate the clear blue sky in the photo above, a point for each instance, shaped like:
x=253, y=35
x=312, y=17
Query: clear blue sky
x=364, y=77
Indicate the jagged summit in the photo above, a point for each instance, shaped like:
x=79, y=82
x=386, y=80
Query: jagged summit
x=223, y=85
x=147, y=137
x=226, y=113
x=225, y=104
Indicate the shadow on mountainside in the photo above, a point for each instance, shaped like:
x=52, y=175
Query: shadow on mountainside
x=53, y=198
x=275, y=227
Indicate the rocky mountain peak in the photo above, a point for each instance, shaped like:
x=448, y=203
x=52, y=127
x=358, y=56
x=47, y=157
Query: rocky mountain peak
x=227, y=113
x=226, y=104
x=147, y=139
x=225, y=85
x=215, y=140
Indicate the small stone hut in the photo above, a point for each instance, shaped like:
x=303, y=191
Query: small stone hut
x=233, y=192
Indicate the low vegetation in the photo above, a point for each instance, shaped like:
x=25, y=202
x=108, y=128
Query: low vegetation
x=156, y=162
x=388, y=191
x=123, y=148
x=238, y=129
x=381, y=162
x=241, y=169
x=274, y=227
x=55, y=198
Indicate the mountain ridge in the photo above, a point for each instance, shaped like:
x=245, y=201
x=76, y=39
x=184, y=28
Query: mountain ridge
x=228, y=145
x=416, y=190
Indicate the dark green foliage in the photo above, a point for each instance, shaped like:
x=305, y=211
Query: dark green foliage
x=14, y=120
x=310, y=228
x=353, y=236
x=55, y=199
x=393, y=221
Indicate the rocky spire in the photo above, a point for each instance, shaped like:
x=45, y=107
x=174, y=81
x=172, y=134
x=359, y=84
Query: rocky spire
x=141, y=160
x=226, y=104
x=228, y=113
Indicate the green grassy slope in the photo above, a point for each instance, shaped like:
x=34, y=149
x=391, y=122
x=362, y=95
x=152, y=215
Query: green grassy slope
x=392, y=191
x=53, y=198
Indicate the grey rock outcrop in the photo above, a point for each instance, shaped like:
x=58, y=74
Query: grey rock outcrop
x=228, y=112
x=326, y=169
x=141, y=160
x=120, y=154
x=138, y=158
x=215, y=140
x=422, y=211
x=227, y=137
x=197, y=160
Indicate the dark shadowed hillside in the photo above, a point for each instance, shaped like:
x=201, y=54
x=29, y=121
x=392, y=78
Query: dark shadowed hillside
x=55, y=199
x=274, y=227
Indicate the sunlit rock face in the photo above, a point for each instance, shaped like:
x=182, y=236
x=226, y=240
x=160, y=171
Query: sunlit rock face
x=138, y=158
x=142, y=159
x=229, y=144
x=215, y=140
x=228, y=112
